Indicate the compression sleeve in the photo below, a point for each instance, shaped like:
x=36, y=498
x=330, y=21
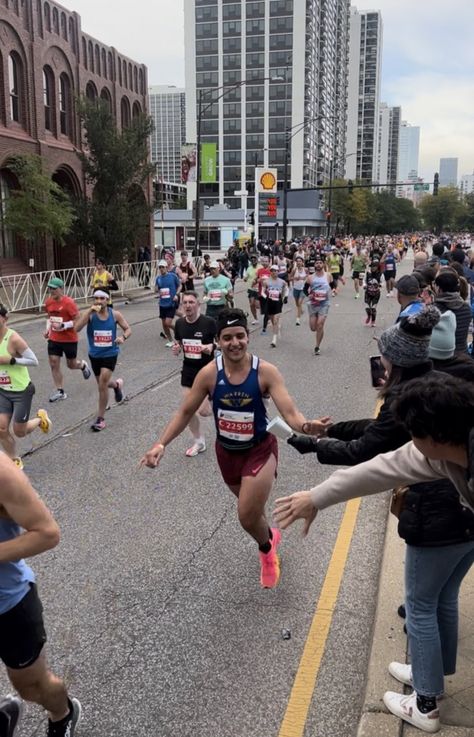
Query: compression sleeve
x=28, y=358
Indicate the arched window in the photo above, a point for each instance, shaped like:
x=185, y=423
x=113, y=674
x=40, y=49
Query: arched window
x=136, y=110
x=130, y=77
x=84, y=52
x=142, y=86
x=119, y=64
x=65, y=105
x=72, y=35
x=104, y=63
x=125, y=112
x=48, y=99
x=55, y=20
x=135, y=78
x=7, y=238
x=2, y=87
x=15, y=87
x=111, y=66
x=63, y=26
x=47, y=17
x=97, y=59
x=91, y=91
x=90, y=51
x=125, y=74
x=105, y=95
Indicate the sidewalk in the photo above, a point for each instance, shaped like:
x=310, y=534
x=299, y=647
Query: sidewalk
x=389, y=643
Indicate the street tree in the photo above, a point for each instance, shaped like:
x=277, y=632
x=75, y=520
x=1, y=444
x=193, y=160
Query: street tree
x=117, y=215
x=441, y=212
x=39, y=208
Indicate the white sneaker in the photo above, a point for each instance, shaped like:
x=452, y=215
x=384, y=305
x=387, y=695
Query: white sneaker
x=402, y=672
x=198, y=447
x=405, y=708
x=298, y=321
x=254, y=322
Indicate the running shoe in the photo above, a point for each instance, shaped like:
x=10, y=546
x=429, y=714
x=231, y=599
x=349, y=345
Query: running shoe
x=118, y=391
x=254, y=322
x=169, y=344
x=18, y=463
x=317, y=351
x=402, y=672
x=12, y=709
x=373, y=324
x=45, y=422
x=98, y=425
x=57, y=395
x=162, y=335
x=356, y=297
x=86, y=372
x=405, y=707
x=264, y=332
x=367, y=320
x=270, y=563
x=298, y=321
x=66, y=727
x=198, y=447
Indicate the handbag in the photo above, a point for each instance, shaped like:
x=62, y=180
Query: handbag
x=398, y=500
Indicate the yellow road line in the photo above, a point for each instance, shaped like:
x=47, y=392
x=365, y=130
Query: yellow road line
x=305, y=680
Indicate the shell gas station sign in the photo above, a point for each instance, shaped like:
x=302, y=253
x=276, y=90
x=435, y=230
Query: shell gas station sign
x=266, y=180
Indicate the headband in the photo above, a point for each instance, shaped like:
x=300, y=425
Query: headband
x=101, y=293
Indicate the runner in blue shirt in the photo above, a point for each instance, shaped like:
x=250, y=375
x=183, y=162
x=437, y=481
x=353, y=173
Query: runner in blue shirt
x=168, y=285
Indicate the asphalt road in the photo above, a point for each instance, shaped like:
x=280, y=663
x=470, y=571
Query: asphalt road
x=153, y=606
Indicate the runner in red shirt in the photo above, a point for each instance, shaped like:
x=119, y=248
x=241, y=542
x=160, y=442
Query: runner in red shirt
x=61, y=336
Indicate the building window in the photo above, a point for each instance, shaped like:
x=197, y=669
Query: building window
x=90, y=50
x=65, y=105
x=125, y=112
x=104, y=63
x=15, y=79
x=136, y=110
x=255, y=10
x=55, y=21
x=91, y=91
x=63, y=26
x=255, y=27
x=231, y=28
x=97, y=60
x=47, y=17
x=231, y=12
x=110, y=66
x=105, y=95
x=72, y=35
x=48, y=98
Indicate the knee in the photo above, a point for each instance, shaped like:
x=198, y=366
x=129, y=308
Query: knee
x=19, y=430
x=30, y=691
x=4, y=433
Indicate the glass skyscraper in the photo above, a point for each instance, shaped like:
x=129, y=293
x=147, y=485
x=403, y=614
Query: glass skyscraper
x=167, y=108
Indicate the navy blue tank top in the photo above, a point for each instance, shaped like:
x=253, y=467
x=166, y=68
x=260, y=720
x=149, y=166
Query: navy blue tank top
x=239, y=410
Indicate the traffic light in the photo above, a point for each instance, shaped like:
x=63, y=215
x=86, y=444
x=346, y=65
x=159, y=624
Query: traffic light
x=435, y=184
x=350, y=186
x=252, y=218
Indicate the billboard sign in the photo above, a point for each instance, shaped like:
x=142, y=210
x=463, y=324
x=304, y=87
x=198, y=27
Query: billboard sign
x=209, y=163
x=188, y=162
x=266, y=180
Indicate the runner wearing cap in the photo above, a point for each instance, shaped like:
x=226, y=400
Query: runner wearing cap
x=277, y=292
x=16, y=390
x=237, y=383
x=318, y=288
x=61, y=336
x=101, y=321
x=217, y=290
x=168, y=286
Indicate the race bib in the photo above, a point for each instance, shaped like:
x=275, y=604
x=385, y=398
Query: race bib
x=192, y=348
x=318, y=297
x=56, y=323
x=215, y=295
x=5, y=379
x=236, y=425
x=103, y=338
x=165, y=293
x=274, y=294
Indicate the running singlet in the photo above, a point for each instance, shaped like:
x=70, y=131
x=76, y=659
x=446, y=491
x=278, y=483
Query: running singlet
x=12, y=378
x=334, y=264
x=239, y=410
x=101, y=335
x=275, y=289
x=319, y=290
x=299, y=278
x=192, y=336
x=15, y=576
x=358, y=263
x=390, y=263
x=373, y=285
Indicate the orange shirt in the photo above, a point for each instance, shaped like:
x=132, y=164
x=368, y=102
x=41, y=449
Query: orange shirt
x=61, y=310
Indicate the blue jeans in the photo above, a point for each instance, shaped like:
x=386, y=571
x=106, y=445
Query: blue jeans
x=433, y=577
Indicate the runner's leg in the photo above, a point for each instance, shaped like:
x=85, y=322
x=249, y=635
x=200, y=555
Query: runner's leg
x=55, y=363
x=36, y=683
x=6, y=438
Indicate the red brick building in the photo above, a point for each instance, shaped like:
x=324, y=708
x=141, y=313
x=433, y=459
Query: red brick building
x=46, y=62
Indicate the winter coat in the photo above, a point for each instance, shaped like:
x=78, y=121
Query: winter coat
x=462, y=311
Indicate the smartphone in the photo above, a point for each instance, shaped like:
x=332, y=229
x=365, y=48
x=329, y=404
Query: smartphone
x=377, y=371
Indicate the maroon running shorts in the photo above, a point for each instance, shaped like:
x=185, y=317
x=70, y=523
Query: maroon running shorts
x=235, y=465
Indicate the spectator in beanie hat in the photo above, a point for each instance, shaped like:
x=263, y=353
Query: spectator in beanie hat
x=442, y=350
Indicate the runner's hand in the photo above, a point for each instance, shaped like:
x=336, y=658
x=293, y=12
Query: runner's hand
x=319, y=427
x=153, y=456
x=176, y=349
x=120, y=340
x=297, y=506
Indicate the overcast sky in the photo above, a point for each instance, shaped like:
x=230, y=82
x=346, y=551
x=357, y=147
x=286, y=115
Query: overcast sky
x=428, y=61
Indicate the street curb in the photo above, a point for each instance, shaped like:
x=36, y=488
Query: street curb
x=388, y=643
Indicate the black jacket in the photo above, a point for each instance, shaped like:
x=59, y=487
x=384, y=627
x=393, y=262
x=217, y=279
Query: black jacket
x=462, y=312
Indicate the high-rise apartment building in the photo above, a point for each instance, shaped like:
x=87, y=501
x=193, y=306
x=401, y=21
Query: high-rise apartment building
x=448, y=172
x=283, y=64
x=388, y=138
x=363, y=107
x=409, y=152
x=466, y=185
x=167, y=108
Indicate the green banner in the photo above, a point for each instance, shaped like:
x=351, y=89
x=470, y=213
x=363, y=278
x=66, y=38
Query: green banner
x=209, y=163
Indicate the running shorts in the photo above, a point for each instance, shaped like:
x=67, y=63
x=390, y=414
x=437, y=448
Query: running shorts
x=234, y=465
x=321, y=310
x=107, y=362
x=389, y=275
x=252, y=294
x=297, y=293
x=188, y=375
x=274, y=307
x=55, y=348
x=167, y=312
x=17, y=404
x=22, y=633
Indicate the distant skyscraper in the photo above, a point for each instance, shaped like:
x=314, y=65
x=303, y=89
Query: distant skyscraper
x=448, y=172
x=466, y=185
x=365, y=55
x=388, y=144
x=409, y=152
x=293, y=56
x=167, y=108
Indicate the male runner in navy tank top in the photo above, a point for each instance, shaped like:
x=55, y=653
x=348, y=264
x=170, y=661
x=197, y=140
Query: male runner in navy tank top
x=247, y=454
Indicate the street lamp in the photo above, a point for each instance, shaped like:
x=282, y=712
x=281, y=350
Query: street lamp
x=201, y=110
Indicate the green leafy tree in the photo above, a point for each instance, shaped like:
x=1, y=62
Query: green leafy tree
x=116, y=165
x=393, y=214
x=39, y=208
x=441, y=212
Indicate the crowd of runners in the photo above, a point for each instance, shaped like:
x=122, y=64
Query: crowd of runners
x=221, y=378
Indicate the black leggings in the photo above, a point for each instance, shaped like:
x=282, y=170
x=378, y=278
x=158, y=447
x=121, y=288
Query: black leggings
x=264, y=310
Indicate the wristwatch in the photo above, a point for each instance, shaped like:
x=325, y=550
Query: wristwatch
x=12, y=361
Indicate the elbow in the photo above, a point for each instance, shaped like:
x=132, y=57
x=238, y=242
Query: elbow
x=51, y=536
